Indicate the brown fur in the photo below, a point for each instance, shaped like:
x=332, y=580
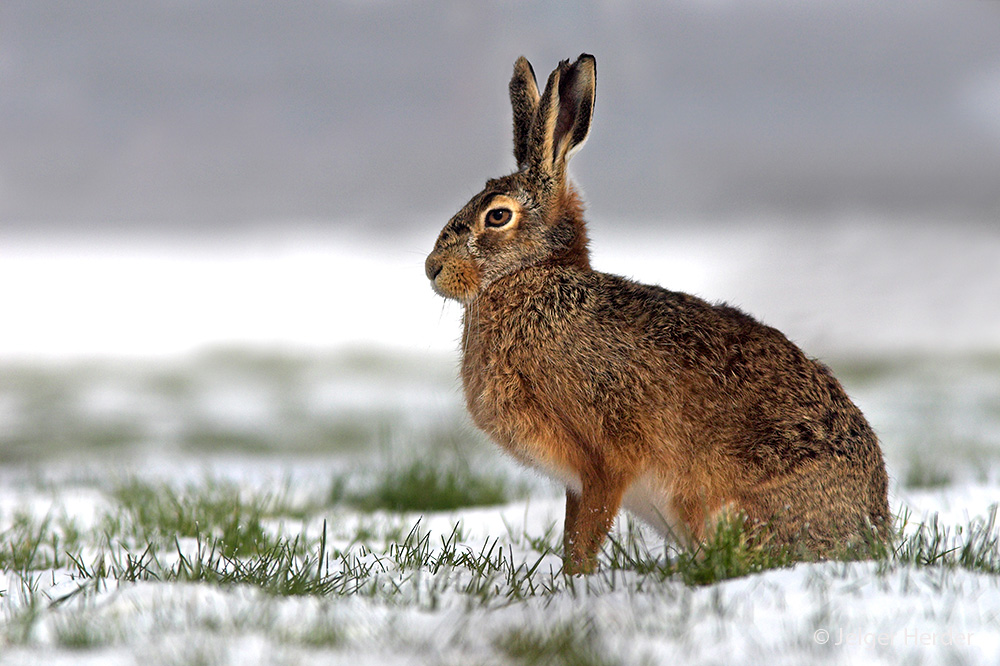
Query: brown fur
x=631, y=392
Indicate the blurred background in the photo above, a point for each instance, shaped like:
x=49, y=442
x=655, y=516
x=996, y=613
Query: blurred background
x=179, y=117
x=244, y=193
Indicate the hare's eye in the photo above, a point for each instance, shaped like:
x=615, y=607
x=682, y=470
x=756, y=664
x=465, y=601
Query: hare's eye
x=498, y=217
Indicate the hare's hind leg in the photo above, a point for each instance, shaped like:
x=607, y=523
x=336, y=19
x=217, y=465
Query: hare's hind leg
x=589, y=517
x=823, y=510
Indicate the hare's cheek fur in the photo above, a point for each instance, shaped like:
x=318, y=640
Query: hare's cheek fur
x=458, y=279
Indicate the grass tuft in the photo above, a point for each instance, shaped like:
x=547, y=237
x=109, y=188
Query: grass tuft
x=425, y=486
x=31, y=544
x=920, y=474
x=323, y=633
x=157, y=512
x=730, y=552
x=975, y=546
x=565, y=643
x=18, y=627
x=79, y=632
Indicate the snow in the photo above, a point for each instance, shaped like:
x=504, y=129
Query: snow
x=819, y=613
x=843, y=285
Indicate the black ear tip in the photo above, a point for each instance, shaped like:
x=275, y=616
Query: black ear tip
x=586, y=61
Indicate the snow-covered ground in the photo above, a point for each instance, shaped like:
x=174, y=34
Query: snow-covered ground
x=102, y=382
x=273, y=424
x=827, y=613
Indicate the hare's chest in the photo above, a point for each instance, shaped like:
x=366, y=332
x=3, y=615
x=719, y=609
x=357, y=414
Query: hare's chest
x=500, y=391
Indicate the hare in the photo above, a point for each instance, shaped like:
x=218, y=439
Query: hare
x=630, y=394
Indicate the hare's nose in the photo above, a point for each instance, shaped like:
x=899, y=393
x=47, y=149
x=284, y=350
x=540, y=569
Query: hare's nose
x=432, y=267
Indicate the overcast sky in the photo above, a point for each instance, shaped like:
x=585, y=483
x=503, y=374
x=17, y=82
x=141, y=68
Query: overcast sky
x=128, y=115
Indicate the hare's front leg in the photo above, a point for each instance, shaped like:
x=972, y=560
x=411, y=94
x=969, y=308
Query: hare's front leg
x=589, y=517
x=569, y=524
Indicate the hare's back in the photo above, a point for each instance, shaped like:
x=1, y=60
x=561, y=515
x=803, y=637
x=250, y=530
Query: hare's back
x=724, y=365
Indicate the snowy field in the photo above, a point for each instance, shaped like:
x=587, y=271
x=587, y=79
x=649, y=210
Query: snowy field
x=248, y=504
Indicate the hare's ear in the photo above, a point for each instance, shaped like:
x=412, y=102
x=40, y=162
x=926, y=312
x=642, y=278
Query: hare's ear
x=524, y=99
x=565, y=112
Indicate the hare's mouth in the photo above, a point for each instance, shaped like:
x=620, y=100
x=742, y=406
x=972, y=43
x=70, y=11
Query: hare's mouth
x=441, y=291
x=463, y=296
x=455, y=280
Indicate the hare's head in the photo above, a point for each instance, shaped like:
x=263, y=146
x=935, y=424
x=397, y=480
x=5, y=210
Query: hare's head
x=532, y=216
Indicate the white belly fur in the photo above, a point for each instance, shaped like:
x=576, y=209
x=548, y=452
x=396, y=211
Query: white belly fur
x=648, y=498
x=563, y=475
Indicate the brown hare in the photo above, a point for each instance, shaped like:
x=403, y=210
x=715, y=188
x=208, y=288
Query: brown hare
x=630, y=394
